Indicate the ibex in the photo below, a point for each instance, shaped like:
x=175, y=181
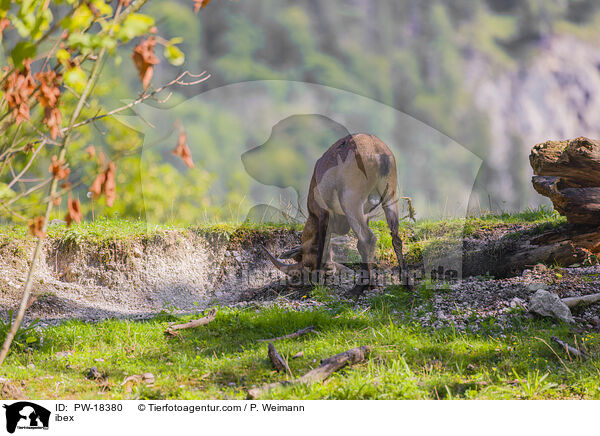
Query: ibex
x=354, y=177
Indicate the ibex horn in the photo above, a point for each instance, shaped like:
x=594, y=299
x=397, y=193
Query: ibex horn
x=283, y=267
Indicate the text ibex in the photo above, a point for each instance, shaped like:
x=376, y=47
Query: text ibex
x=354, y=177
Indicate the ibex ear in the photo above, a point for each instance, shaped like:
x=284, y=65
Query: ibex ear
x=293, y=253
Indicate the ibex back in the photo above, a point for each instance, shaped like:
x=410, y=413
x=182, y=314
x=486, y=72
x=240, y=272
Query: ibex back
x=354, y=177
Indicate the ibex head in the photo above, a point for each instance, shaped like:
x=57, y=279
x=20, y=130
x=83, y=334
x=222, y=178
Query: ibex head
x=305, y=255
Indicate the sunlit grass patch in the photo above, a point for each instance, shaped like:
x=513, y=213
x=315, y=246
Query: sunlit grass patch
x=224, y=359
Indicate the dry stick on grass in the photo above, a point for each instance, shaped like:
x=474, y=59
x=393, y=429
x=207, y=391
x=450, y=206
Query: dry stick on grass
x=322, y=372
x=309, y=329
x=584, y=299
x=278, y=362
x=570, y=349
x=194, y=323
x=554, y=352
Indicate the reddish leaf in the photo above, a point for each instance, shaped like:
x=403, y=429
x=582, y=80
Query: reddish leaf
x=18, y=88
x=56, y=201
x=49, y=90
x=91, y=151
x=96, y=188
x=144, y=59
x=125, y=3
x=36, y=227
x=199, y=4
x=73, y=211
x=53, y=119
x=183, y=151
x=4, y=23
x=110, y=186
x=105, y=184
x=58, y=169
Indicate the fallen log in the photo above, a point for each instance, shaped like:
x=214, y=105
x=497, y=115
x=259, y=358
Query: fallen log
x=278, y=362
x=572, y=351
x=568, y=172
x=583, y=299
x=576, y=160
x=513, y=253
x=581, y=205
x=328, y=366
x=193, y=323
x=300, y=332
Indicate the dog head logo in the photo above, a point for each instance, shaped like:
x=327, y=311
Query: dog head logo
x=24, y=414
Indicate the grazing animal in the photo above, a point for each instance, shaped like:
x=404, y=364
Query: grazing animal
x=354, y=177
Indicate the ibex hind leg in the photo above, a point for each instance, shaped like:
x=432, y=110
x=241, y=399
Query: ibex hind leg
x=390, y=209
x=353, y=208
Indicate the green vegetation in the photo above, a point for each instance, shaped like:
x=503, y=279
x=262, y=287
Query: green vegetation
x=431, y=236
x=224, y=359
x=409, y=55
x=420, y=237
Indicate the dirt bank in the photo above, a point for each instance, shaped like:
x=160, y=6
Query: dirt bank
x=189, y=270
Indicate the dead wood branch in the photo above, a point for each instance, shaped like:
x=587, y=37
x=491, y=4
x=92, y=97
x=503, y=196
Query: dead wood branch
x=567, y=173
x=583, y=299
x=562, y=246
x=193, y=323
x=300, y=332
x=572, y=351
x=278, y=362
x=322, y=372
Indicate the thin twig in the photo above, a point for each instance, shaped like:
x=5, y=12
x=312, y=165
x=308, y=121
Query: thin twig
x=143, y=98
x=309, y=329
x=554, y=352
x=29, y=191
x=278, y=362
x=27, y=165
x=570, y=349
x=193, y=323
x=322, y=372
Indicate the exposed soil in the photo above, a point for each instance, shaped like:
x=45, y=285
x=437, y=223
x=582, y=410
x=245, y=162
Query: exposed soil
x=184, y=270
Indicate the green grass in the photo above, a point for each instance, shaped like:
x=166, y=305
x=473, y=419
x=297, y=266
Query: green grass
x=429, y=237
x=114, y=228
x=224, y=359
x=423, y=239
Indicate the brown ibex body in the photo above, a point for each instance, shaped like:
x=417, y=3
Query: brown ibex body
x=354, y=177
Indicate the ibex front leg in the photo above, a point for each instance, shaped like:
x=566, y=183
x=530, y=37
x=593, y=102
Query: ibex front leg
x=353, y=208
x=323, y=235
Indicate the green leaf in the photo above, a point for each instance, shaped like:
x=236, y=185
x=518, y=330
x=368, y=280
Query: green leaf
x=81, y=19
x=4, y=5
x=81, y=41
x=62, y=55
x=5, y=192
x=22, y=26
x=23, y=50
x=135, y=25
x=102, y=7
x=174, y=55
x=41, y=23
x=31, y=339
x=105, y=41
x=76, y=79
